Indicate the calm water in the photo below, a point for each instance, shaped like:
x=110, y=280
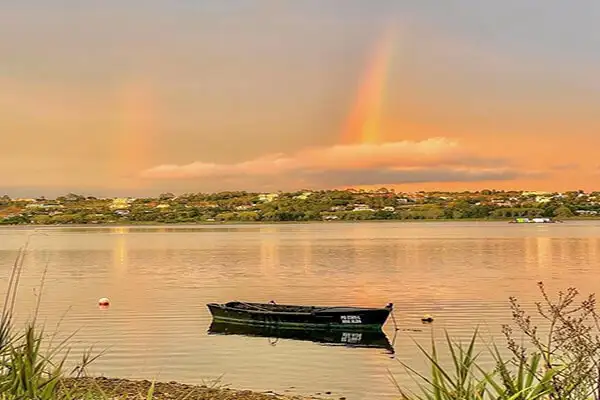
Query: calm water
x=160, y=278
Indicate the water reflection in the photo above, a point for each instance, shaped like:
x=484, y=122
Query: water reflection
x=375, y=339
x=269, y=256
x=120, y=249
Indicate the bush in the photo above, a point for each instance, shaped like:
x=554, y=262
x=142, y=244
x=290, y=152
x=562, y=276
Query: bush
x=563, y=364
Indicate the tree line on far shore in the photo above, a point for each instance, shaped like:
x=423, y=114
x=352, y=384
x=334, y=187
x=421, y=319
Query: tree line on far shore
x=343, y=205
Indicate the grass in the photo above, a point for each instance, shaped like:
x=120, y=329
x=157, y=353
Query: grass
x=465, y=379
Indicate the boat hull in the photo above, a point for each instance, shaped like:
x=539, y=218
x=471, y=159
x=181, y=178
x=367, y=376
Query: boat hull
x=331, y=318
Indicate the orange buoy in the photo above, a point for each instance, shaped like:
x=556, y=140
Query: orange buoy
x=103, y=302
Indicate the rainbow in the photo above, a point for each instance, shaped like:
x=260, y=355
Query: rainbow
x=135, y=132
x=364, y=122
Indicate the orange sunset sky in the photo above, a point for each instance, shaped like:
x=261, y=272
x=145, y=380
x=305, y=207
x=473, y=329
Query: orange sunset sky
x=140, y=97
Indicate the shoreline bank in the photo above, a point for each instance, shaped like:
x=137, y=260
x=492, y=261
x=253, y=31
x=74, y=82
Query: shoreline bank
x=236, y=223
x=138, y=389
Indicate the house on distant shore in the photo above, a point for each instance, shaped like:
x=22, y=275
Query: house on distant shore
x=501, y=203
x=303, y=196
x=268, y=197
x=44, y=206
x=120, y=203
x=362, y=207
x=245, y=207
x=586, y=212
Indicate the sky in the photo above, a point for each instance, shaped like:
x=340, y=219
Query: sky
x=143, y=97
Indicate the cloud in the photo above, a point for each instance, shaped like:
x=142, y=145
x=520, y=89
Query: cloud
x=421, y=175
x=430, y=160
x=565, y=167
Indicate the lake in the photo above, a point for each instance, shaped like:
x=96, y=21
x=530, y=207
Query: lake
x=160, y=278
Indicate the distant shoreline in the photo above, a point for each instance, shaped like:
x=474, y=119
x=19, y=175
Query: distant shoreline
x=234, y=223
x=235, y=208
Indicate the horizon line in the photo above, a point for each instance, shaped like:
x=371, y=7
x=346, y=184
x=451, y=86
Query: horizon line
x=355, y=190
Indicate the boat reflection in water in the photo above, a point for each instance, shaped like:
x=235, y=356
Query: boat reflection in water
x=368, y=339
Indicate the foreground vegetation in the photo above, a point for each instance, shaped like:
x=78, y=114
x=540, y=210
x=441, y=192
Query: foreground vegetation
x=350, y=205
x=562, y=364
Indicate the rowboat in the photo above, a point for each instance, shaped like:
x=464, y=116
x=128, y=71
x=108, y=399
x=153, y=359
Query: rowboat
x=365, y=339
x=307, y=317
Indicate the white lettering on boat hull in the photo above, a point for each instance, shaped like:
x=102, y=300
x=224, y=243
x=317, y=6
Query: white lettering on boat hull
x=349, y=337
x=351, y=319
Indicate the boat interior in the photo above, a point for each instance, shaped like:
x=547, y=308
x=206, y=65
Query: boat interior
x=273, y=307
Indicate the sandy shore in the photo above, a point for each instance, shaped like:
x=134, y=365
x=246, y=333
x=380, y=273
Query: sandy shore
x=130, y=389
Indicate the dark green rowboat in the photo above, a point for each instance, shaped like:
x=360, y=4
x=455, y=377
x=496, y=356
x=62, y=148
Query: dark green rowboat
x=306, y=317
